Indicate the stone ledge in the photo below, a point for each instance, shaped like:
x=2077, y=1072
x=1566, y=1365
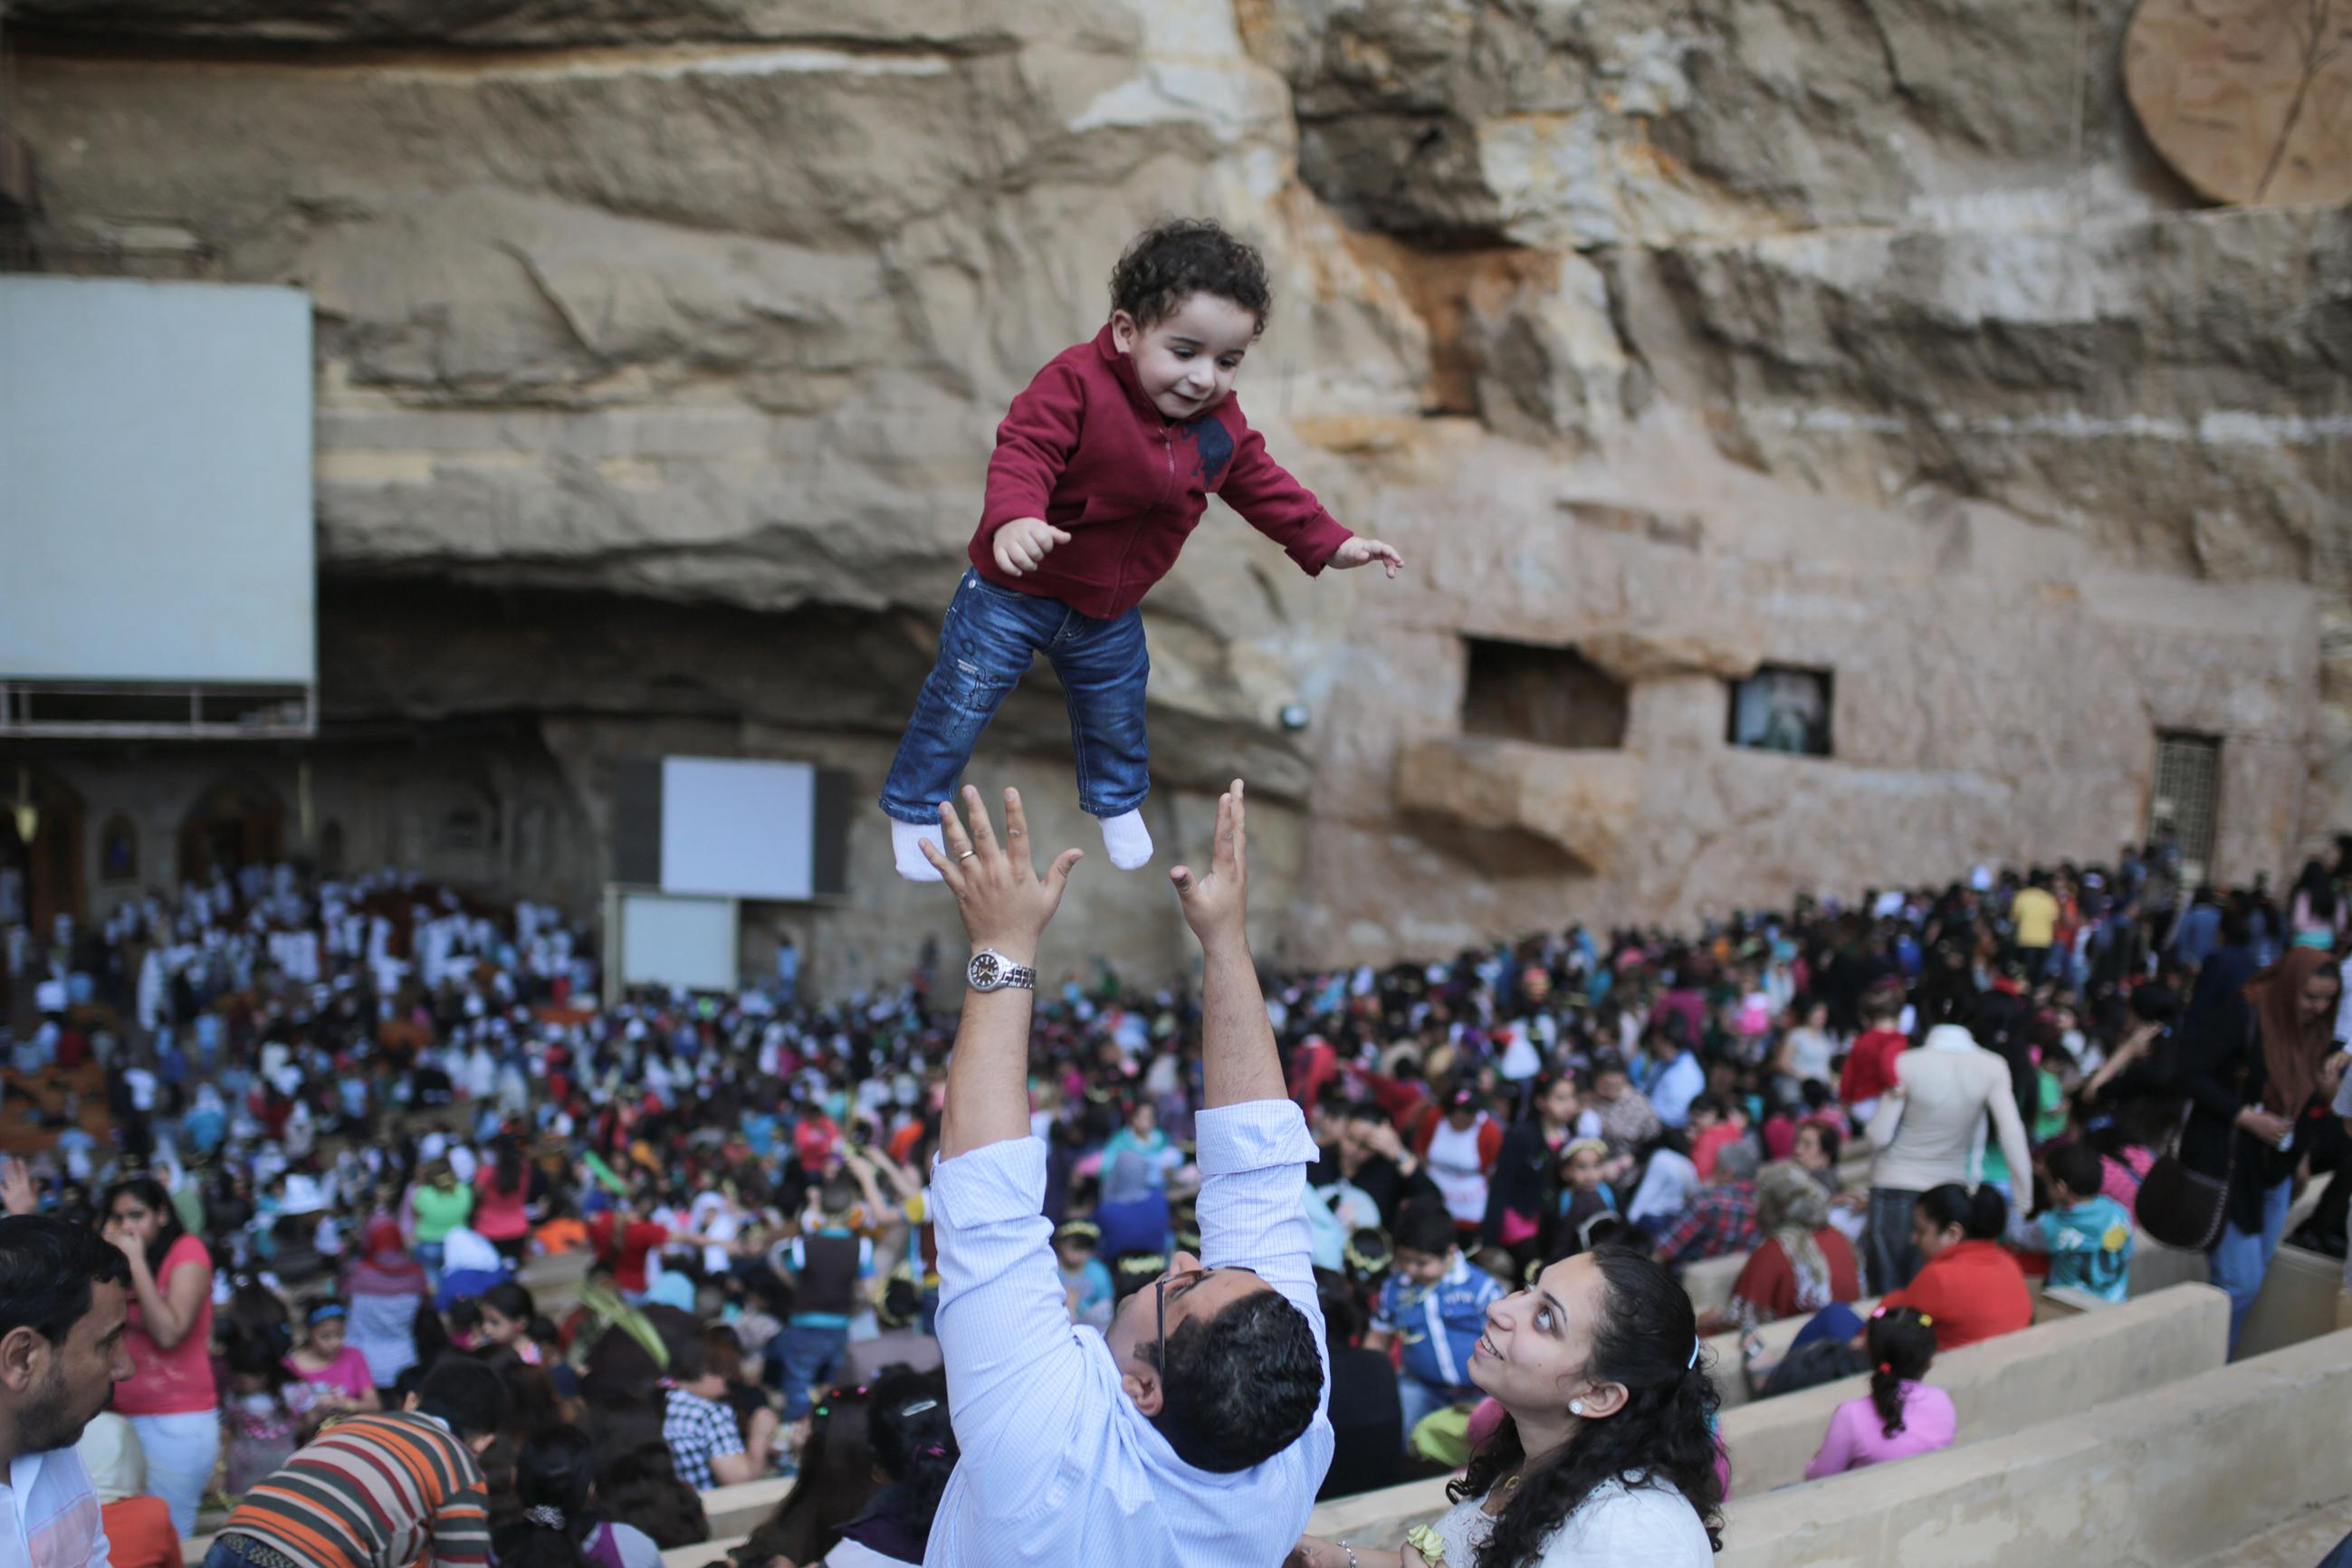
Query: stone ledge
x=1571, y=805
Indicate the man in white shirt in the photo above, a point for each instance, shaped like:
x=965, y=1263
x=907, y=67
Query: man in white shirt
x=63, y=1308
x=1194, y=1432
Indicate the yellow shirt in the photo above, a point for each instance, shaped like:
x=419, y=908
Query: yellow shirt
x=2035, y=913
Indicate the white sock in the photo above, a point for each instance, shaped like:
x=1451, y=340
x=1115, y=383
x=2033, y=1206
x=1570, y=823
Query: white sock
x=1128, y=840
x=907, y=841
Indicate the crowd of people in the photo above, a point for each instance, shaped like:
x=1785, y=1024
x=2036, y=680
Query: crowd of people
x=355, y=1125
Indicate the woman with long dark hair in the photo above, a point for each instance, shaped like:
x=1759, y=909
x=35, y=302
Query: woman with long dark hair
x=1606, y=1452
x=170, y=1397
x=502, y=1196
x=914, y=1447
x=835, y=1482
x=560, y=1525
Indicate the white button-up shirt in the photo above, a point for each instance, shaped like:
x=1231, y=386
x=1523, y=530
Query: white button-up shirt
x=1058, y=1466
x=48, y=1513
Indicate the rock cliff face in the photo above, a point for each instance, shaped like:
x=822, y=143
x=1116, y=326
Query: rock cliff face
x=1865, y=337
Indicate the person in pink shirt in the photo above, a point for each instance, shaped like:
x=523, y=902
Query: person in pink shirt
x=1902, y=1416
x=502, y=1196
x=169, y=1395
x=329, y=1365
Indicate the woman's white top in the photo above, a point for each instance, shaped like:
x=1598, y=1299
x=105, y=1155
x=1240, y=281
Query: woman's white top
x=1615, y=1527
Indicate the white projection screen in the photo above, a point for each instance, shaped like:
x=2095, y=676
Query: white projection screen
x=743, y=829
x=156, y=482
x=671, y=942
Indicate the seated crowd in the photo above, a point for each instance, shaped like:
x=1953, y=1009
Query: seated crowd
x=350, y=1122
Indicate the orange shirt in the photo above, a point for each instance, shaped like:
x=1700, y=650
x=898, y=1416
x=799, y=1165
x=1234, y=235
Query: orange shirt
x=563, y=1236
x=139, y=1533
x=1973, y=1289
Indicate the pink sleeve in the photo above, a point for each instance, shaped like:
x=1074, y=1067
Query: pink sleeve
x=188, y=1249
x=1837, y=1451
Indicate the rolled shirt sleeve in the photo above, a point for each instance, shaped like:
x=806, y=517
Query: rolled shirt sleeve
x=1253, y=1158
x=1004, y=1324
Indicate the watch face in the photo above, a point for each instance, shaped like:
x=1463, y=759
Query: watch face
x=987, y=971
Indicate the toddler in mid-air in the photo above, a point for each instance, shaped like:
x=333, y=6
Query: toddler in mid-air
x=1103, y=468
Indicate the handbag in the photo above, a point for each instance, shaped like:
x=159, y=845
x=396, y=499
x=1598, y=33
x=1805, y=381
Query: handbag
x=2182, y=1207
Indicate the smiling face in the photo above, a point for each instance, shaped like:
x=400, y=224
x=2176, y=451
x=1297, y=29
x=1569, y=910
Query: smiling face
x=1187, y=362
x=1558, y=1103
x=1584, y=1170
x=1539, y=1342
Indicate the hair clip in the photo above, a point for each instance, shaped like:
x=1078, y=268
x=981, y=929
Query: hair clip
x=1696, y=1345
x=1887, y=1367
x=1925, y=1321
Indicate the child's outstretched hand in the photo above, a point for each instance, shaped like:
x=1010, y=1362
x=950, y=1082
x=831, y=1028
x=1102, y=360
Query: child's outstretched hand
x=1360, y=552
x=1021, y=543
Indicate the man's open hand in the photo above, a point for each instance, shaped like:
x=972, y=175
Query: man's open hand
x=1216, y=905
x=1004, y=903
x=1020, y=545
x=1361, y=551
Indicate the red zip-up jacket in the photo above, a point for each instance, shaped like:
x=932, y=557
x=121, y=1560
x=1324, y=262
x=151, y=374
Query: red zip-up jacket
x=1084, y=449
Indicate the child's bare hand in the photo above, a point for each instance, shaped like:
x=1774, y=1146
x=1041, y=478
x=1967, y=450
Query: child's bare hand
x=1021, y=543
x=1362, y=552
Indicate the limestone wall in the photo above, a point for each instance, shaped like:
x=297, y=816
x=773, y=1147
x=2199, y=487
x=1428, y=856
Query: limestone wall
x=661, y=347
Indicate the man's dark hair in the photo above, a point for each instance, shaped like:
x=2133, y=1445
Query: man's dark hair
x=1423, y=1226
x=1171, y=262
x=470, y=1397
x=1240, y=1387
x=47, y=1265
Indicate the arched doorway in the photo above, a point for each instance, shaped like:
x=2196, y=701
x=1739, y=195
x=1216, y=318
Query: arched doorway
x=237, y=822
x=44, y=876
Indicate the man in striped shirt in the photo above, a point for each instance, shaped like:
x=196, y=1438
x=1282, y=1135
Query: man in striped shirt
x=397, y=1490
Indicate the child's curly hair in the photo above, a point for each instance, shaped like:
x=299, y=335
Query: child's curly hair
x=1171, y=262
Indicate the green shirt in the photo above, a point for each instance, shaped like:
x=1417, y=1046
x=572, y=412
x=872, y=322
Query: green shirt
x=439, y=1213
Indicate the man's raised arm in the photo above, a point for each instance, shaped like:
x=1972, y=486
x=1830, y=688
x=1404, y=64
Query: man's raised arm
x=1238, y=1059
x=1003, y=1326
x=1006, y=907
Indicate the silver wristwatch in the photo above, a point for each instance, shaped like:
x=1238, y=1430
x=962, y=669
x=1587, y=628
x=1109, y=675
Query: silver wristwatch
x=991, y=970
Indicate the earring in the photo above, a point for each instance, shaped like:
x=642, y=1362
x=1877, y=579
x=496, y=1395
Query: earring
x=1576, y=1407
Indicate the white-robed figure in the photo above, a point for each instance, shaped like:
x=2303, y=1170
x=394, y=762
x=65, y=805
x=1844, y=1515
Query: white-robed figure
x=1194, y=1432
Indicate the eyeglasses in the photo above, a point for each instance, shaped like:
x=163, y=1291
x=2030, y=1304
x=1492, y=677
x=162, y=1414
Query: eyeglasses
x=1187, y=1279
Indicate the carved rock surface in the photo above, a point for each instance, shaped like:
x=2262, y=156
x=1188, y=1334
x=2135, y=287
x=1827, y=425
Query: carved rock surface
x=662, y=344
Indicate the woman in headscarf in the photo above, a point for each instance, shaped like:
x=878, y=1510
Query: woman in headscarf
x=2260, y=1077
x=385, y=1287
x=1803, y=1263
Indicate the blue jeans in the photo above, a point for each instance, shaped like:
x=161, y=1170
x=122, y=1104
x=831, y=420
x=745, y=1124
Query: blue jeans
x=1892, y=1262
x=2240, y=1260
x=986, y=643
x=812, y=1357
